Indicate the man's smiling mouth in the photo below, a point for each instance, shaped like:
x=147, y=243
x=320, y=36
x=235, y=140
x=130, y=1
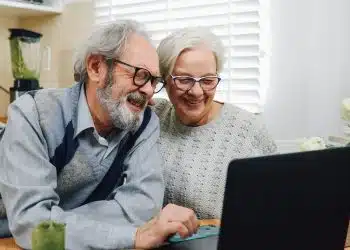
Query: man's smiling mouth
x=136, y=104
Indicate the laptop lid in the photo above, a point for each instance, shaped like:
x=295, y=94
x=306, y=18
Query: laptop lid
x=288, y=201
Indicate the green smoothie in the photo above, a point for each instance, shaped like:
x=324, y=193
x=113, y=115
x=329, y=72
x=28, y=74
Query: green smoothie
x=48, y=235
x=19, y=68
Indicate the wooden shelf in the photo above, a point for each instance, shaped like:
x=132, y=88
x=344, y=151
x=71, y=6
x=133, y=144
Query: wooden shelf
x=13, y=8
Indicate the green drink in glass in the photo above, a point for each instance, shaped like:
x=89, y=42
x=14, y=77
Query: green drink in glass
x=48, y=235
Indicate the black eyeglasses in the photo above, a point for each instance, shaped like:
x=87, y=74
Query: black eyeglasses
x=185, y=83
x=142, y=76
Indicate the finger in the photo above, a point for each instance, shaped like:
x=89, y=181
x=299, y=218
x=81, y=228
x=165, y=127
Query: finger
x=195, y=222
x=191, y=222
x=177, y=227
x=183, y=231
x=189, y=226
x=181, y=214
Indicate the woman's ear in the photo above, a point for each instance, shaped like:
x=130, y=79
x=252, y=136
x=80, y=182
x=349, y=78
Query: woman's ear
x=96, y=69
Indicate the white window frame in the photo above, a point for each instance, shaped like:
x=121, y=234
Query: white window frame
x=256, y=100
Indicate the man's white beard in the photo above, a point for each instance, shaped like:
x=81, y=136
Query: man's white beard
x=122, y=117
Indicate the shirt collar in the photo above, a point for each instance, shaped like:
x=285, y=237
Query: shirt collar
x=84, y=118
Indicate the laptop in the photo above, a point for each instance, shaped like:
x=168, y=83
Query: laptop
x=286, y=201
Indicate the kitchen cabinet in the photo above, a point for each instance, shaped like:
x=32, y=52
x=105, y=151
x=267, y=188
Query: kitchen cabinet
x=26, y=8
x=45, y=18
x=64, y=24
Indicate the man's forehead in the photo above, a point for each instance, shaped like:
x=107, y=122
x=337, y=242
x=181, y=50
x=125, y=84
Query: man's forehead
x=154, y=70
x=141, y=53
x=149, y=64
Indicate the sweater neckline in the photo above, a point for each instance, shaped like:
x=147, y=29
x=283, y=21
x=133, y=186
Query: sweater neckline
x=190, y=130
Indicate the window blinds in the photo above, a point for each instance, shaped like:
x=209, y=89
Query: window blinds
x=241, y=24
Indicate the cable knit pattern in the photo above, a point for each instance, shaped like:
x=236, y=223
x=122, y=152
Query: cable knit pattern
x=196, y=158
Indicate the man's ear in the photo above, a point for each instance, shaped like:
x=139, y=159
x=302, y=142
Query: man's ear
x=96, y=69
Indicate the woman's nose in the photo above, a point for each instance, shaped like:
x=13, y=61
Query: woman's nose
x=196, y=89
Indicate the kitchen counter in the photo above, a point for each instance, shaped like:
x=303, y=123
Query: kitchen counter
x=3, y=119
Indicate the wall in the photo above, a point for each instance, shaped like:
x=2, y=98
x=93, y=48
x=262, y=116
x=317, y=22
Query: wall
x=62, y=33
x=77, y=22
x=5, y=65
x=309, y=64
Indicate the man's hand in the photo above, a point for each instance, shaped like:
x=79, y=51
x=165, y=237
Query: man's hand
x=172, y=219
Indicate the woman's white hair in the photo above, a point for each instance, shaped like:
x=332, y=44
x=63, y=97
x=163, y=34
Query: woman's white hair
x=107, y=40
x=172, y=46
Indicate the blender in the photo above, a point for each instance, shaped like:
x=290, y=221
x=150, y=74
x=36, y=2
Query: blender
x=25, y=60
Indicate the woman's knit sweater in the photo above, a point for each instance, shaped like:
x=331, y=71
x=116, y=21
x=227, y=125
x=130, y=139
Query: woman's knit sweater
x=195, y=159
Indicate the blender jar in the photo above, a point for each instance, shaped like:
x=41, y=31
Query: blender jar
x=25, y=54
x=26, y=58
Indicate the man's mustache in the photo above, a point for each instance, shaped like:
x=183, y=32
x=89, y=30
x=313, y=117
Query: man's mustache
x=137, y=98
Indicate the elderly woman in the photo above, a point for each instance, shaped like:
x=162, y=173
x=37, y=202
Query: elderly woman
x=200, y=136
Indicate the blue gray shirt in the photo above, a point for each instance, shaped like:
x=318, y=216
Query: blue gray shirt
x=32, y=191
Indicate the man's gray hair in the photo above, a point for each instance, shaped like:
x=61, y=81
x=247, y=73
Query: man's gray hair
x=107, y=40
x=172, y=46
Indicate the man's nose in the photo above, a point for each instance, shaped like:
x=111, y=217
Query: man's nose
x=147, y=89
x=196, y=89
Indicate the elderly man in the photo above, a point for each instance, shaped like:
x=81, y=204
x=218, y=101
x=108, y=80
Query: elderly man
x=86, y=156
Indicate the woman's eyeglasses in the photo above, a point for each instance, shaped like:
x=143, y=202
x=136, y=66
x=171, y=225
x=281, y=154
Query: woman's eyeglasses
x=185, y=83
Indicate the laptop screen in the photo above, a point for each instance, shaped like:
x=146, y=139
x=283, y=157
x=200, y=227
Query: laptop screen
x=289, y=201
